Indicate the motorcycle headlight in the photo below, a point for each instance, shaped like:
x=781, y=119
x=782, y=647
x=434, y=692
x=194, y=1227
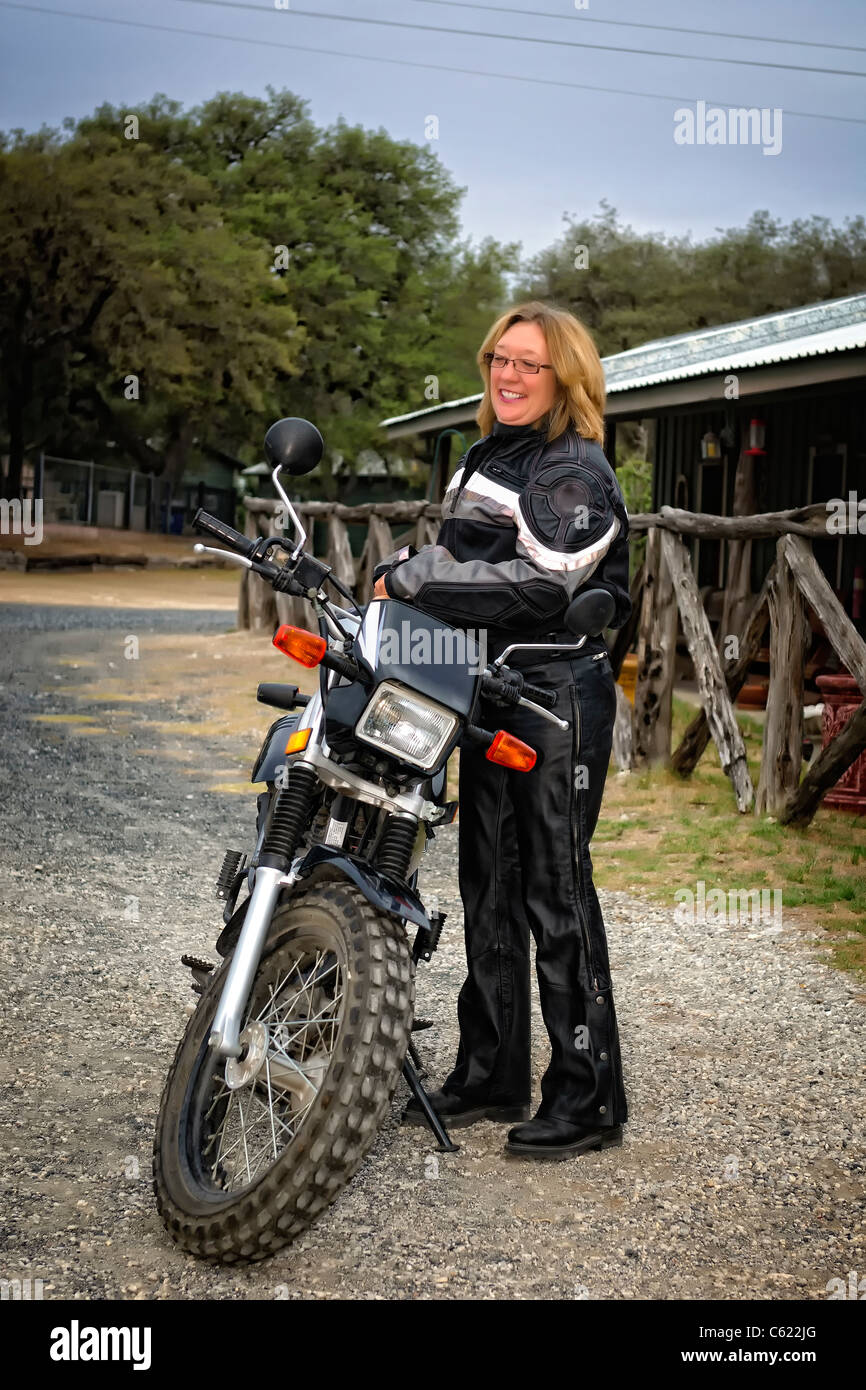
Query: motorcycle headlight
x=408, y=725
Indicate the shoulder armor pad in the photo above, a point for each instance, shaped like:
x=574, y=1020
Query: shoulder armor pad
x=567, y=504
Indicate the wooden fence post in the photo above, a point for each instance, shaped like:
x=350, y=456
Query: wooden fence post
x=378, y=545
x=839, y=754
x=656, y=659
x=261, y=601
x=339, y=556
x=697, y=735
x=426, y=531
x=841, y=632
x=783, y=726
x=833, y=760
x=711, y=683
x=623, y=734
x=298, y=612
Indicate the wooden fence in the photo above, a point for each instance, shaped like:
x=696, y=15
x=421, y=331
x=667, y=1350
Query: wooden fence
x=418, y=522
x=666, y=587
x=664, y=593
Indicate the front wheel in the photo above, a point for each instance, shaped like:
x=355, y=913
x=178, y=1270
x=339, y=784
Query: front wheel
x=249, y=1152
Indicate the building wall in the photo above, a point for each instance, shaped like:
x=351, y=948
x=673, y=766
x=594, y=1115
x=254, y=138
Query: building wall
x=815, y=450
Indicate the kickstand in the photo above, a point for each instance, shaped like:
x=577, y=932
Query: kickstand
x=413, y=1082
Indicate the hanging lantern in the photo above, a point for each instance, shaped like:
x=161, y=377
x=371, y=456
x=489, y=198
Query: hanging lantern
x=710, y=446
x=757, y=434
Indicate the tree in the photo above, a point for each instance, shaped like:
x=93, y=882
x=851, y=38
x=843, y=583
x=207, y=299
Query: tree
x=127, y=300
x=630, y=288
x=359, y=232
x=176, y=279
x=470, y=290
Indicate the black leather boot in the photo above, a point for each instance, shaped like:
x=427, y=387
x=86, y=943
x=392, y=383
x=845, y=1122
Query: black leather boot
x=551, y=1138
x=456, y=1113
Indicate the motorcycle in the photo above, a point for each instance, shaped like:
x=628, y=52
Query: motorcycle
x=291, y=1058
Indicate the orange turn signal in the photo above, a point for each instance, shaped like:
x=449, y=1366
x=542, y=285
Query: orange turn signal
x=511, y=752
x=302, y=646
x=298, y=740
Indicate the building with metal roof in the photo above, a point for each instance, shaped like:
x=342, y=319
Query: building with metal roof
x=759, y=415
x=834, y=331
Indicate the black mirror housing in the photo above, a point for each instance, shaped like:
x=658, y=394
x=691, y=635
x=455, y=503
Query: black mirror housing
x=294, y=445
x=590, y=612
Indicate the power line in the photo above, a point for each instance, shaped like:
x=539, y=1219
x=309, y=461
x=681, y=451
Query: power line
x=395, y=62
x=523, y=38
x=639, y=24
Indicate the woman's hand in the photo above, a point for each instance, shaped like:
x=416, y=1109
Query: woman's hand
x=379, y=590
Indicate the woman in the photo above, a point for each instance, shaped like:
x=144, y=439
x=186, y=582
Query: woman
x=532, y=515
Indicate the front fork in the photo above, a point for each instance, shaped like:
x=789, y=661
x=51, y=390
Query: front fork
x=225, y=1033
x=282, y=836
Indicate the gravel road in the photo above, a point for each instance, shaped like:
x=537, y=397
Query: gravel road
x=741, y=1174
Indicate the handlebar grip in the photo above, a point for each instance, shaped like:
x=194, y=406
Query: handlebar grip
x=203, y=521
x=281, y=696
x=547, y=698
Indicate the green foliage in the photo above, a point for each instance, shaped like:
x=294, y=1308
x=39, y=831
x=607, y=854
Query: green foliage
x=635, y=477
x=117, y=263
x=640, y=286
x=243, y=265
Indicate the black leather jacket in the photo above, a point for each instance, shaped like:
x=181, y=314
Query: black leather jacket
x=526, y=522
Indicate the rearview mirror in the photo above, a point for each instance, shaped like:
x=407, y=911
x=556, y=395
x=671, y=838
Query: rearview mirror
x=294, y=445
x=590, y=612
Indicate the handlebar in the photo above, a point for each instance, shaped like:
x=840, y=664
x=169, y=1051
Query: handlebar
x=509, y=688
x=249, y=550
x=504, y=687
x=203, y=521
x=303, y=577
x=547, y=698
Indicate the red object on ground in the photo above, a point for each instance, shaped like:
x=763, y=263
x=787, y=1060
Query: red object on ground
x=841, y=696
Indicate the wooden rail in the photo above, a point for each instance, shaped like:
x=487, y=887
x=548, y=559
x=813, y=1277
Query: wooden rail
x=794, y=581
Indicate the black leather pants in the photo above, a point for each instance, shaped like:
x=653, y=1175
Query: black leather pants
x=525, y=867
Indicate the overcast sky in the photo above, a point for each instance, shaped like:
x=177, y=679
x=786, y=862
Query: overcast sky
x=526, y=152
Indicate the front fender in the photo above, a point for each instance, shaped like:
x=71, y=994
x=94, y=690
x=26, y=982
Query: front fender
x=383, y=891
x=272, y=754
x=228, y=937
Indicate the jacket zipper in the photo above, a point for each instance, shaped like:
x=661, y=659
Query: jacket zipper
x=581, y=902
x=516, y=480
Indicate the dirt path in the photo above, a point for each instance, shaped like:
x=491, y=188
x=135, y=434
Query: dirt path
x=741, y=1174
x=192, y=589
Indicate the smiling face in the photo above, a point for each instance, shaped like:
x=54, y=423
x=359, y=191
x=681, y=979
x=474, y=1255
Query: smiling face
x=522, y=399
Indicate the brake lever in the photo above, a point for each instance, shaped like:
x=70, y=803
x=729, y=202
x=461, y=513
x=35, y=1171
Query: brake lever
x=545, y=713
x=498, y=695
x=226, y=554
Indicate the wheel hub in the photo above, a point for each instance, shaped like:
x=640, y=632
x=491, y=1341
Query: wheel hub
x=240, y=1071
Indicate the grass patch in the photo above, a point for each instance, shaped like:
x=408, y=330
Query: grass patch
x=680, y=831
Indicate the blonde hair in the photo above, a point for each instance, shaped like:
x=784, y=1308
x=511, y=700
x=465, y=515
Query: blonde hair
x=580, y=385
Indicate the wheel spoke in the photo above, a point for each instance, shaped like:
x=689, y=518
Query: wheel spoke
x=271, y=1103
x=314, y=1019
x=247, y=1128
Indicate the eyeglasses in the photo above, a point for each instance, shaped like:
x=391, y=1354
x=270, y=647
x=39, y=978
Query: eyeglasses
x=495, y=359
